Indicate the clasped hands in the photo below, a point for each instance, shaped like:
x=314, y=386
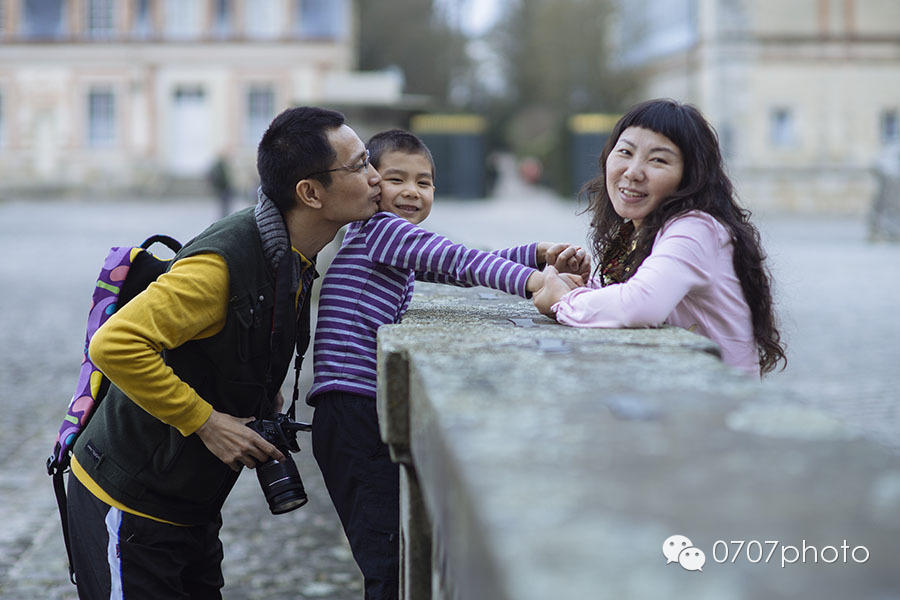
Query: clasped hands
x=567, y=267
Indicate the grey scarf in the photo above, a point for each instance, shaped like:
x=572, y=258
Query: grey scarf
x=276, y=241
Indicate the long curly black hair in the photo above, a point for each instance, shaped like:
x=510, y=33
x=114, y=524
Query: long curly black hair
x=620, y=248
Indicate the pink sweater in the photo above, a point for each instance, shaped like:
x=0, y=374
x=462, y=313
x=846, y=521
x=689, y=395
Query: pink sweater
x=688, y=280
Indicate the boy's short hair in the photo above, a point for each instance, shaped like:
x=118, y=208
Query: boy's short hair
x=295, y=145
x=397, y=140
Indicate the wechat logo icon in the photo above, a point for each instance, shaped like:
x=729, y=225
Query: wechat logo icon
x=678, y=548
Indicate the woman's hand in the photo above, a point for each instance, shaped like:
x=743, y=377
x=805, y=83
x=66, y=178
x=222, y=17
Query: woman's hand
x=566, y=258
x=555, y=286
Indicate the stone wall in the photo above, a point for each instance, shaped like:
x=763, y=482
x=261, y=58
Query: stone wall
x=541, y=461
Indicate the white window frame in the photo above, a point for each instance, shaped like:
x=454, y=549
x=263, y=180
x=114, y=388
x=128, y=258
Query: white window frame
x=59, y=33
x=262, y=19
x=100, y=19
x=782, y=127
x=183, y=19
x=101, y=117
x=889, y=126
x=223, y=18
x=256, y=116
x=142, y=21
x=306, y=28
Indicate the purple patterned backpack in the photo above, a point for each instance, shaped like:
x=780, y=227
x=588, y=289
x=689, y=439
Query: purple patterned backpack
x=125, y=273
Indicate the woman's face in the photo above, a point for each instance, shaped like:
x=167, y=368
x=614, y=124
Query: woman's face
x=643, y=169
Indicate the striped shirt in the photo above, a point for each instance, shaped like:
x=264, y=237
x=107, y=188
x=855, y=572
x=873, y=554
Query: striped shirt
x=370, y=283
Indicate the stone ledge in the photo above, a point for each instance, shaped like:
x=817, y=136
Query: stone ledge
x=554, y=462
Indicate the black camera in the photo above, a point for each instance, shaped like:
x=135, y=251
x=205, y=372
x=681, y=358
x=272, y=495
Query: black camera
x=280, y=480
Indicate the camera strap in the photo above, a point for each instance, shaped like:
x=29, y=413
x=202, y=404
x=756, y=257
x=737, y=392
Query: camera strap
x=286, y=285
x=303, y=337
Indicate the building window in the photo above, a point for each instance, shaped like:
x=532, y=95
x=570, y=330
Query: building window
x=321, y=18
x=727, y=141
x=263, y=19
x=260, y=110
x=183, y=19
x=142, y=26
x=101, y=118
x=101, y=22
x=782, y=130
x=890, y=126
x=43, y=19
x=222, y=19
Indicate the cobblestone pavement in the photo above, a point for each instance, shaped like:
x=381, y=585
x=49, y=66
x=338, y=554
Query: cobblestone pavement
x=837, y=297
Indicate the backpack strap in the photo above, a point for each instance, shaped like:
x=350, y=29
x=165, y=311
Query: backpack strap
x=170, y=242
x=59, y=488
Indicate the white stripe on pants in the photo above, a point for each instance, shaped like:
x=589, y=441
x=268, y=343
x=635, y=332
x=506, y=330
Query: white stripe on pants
x=113, y=557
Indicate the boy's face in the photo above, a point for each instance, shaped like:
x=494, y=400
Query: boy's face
x=407, y=185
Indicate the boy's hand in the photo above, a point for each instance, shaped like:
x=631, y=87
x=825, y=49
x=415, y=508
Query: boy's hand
x=566, y=258
x=555, y=286
x=534, y=282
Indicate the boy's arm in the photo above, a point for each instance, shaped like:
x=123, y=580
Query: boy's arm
x=396, y=242
x=566, y=258
x=527, y=255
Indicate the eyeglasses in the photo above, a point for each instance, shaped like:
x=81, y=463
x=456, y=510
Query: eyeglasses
x=361, y=167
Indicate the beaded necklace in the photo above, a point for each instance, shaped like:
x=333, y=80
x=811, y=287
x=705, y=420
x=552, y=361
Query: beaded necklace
x=617, y=266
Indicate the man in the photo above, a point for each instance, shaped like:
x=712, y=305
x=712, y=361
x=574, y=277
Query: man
x=198, y=355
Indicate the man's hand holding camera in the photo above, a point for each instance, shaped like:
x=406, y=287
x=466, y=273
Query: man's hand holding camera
x=234, y=443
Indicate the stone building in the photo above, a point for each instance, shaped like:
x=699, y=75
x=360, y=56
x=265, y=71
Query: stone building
x=143, y=93
x=805, y=94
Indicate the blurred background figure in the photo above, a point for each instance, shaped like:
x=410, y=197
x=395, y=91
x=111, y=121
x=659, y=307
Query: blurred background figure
x=884, y=220
x=219, y=178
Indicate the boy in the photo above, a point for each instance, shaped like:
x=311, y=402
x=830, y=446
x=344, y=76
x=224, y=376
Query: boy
x=370, y=283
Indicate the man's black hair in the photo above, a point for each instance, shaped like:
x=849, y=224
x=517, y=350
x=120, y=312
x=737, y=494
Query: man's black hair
x=295, y=145
x=397, y=140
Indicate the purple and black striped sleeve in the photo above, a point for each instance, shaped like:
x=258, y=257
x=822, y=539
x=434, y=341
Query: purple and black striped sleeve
x=396, y=242
x=523, y=255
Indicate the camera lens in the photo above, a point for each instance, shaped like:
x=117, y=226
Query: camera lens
x=281, y=485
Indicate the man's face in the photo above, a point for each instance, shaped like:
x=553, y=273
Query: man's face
x=354, y=191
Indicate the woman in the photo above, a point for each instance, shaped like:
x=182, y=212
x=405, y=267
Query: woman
x=672, y=244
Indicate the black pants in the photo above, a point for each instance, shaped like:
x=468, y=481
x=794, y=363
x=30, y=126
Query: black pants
x=121, y=555
x=364, y=486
